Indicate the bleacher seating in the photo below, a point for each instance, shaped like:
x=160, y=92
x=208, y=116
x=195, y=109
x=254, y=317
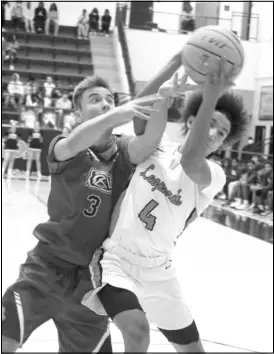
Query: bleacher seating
x=64, y=57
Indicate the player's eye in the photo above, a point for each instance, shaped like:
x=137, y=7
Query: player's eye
x=95, y=100
x=110, y=100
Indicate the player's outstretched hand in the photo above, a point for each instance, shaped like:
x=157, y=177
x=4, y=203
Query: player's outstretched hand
x=140, y=107
x=173, y=87
x=218, y=78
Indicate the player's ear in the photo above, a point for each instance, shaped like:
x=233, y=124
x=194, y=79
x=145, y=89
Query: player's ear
x=189, y=122
x=79, y=116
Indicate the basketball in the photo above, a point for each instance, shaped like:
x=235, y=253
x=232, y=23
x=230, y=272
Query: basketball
x=206, y=45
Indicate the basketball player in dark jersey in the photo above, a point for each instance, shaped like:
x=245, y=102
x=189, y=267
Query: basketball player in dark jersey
x=35, y=145
x=89, y=170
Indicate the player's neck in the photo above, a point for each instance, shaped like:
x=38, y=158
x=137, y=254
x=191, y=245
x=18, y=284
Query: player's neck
x=107, y=147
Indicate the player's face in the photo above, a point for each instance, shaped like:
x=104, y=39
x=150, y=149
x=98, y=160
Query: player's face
x=96, y=101
x=219, y=129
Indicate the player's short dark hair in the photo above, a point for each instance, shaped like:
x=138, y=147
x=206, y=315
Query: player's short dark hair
x=87, y=83
x=229, y=104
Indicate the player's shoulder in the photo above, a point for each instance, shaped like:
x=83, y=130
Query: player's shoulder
x=167, y=146
x=217, y=173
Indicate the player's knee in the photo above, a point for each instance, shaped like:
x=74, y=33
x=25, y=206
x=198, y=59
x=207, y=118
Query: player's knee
x=9, y=345
x=134, y=326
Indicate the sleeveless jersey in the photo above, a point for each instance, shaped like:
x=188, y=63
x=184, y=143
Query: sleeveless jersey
x=83, y=193
x=159, y=202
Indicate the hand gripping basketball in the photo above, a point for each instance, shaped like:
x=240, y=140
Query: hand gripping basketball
x=218, y=79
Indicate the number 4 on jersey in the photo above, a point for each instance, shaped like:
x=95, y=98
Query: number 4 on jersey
x=146, y=217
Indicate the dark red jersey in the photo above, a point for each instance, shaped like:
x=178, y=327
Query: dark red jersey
x=84, y=191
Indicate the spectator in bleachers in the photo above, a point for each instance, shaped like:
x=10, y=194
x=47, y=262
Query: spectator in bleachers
x=49, y=86
x=10, y=146
x=243, y=189
x=261, y=189
x=188, y=22
x=28, y=14
x=94, y=21
x=232, y=179
x=17, y=18
x=3, y=14
x=28, y=92
x=105, y=22
x=83, y=25
x=15, y=92
x=249, y=148
x=35, y=144
x=4, y=47
x=269, y=203
x=12, y=46
x=62, y=104
x=40, y=16
x=52, y=18
x=37, y=95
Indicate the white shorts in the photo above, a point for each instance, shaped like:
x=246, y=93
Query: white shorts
x=157, y=288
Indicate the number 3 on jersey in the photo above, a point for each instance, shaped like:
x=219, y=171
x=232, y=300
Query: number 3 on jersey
x=146, y=217
x=93, y=207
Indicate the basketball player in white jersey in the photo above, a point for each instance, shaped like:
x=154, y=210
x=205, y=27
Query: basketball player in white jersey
x=168, y=190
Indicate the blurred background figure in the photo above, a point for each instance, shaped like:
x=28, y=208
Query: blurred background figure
x=49, y=87
x=17, y=17
x=10, y=148
x=35, y=145
x=105, y=22
x=10, y=52
x=83, y=25
x=52, y=19
x=188, y=22
x=15, y=92
x=40, y=16
x=28, y=14
x=4, y=4
x=94, y=21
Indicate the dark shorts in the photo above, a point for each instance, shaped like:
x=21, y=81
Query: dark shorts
x=48, y=290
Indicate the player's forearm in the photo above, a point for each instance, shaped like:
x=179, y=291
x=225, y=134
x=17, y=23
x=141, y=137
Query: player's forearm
x=144, y=145
x=194, y=149
x=90, y=133
x=153, y=86
x=156, y=126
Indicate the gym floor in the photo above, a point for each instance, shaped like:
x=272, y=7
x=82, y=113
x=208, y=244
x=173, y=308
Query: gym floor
x=226, y=274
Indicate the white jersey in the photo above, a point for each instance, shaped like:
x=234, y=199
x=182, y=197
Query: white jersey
x=159, y=202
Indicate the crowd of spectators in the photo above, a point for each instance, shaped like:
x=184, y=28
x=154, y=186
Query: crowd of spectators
x=46, y=101
x=249, y=185
x=39, y=20
x=36, y=20
x=91, y=23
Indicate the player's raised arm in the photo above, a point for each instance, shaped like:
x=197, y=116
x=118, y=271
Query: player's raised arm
x=140, y=147
x=92, y=132
x=154, y=84
x=198, y=140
